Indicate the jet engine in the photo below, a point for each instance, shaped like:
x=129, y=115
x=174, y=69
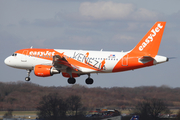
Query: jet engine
x=45, y=70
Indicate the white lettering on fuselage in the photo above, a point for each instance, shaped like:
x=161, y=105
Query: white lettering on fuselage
x=41, y=53
x=150, y=37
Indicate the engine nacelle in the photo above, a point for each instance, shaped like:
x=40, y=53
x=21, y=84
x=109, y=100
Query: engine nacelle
x=45, y=70
x=68, y=76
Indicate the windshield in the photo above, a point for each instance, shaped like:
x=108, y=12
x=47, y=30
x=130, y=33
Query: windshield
x=14, y=54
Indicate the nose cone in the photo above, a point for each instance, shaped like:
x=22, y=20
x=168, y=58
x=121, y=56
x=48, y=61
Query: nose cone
x=7, y=61
x=160, y=59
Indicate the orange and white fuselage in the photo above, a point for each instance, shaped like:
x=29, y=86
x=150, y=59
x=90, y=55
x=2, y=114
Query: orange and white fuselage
x=73, y=63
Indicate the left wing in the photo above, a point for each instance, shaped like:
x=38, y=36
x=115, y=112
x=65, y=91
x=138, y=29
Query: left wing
x=63, y=60
x=58, y=61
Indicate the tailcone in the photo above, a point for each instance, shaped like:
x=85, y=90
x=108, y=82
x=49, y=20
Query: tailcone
x=160, y=59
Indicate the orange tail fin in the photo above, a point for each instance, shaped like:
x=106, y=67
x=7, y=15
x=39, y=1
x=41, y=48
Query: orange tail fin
x=149, y=45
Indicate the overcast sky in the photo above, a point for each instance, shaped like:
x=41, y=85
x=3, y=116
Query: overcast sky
x=111, y=25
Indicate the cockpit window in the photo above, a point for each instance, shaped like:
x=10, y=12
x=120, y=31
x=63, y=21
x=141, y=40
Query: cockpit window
x=14, y=54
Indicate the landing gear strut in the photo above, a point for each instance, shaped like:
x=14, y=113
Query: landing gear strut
x=28, y=73
x=71, y=80
x=89, y=80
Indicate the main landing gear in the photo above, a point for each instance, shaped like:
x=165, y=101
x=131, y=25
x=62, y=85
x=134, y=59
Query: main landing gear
x=71, y=80
x=89, y=80
x=28, y=73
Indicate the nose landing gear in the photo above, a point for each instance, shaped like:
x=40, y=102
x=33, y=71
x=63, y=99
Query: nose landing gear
x=28, y=73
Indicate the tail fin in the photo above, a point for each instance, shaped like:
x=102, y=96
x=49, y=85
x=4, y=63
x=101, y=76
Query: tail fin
x=149, y=45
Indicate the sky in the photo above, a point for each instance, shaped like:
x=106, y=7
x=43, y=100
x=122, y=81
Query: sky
x=111, y=25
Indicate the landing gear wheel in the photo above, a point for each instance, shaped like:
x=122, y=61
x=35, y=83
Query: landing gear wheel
x=71, y=80
x=27, y=78
x=89, y=81
x=28, y=73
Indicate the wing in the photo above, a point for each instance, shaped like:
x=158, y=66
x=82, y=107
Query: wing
x=62, y=62
x=59, y=61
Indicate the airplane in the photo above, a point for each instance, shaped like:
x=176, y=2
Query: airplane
x=74, y=63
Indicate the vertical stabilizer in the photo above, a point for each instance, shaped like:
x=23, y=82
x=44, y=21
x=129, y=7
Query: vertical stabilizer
x=149, y=45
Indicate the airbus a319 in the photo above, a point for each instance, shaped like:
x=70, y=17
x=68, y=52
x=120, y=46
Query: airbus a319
x=74, y=63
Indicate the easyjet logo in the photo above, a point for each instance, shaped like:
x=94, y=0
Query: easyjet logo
x=41, y=53
x=150, y=37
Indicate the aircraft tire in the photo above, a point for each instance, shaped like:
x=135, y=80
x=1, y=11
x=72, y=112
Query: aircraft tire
x=89, y=81
x=72, y=80
x=27, y=78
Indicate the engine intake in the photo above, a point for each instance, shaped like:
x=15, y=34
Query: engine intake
x=45, y=70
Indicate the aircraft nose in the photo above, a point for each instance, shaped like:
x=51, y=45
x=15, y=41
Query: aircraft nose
x=7, y=61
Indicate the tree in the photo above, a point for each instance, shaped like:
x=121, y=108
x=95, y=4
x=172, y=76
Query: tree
x=8, y=114
x=178, y=115
x=74, y=103
x=149, y=109
x=52, y=107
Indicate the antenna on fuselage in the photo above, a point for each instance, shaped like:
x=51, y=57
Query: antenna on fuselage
x=31, y=47
x=101, y=50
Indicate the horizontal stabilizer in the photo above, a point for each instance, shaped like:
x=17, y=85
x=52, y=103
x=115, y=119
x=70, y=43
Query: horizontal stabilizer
x=146, y=59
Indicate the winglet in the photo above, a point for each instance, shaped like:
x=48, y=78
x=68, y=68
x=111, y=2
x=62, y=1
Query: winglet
x=149, y=45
